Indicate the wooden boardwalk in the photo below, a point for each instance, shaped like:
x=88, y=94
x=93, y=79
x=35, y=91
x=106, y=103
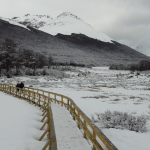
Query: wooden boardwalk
x=68, y=135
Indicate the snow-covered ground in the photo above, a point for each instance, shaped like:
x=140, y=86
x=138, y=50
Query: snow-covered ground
x=19, y=124
x=99, y=89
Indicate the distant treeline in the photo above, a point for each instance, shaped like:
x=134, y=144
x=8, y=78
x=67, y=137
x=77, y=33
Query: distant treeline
x=11, y=57
x=141, y=66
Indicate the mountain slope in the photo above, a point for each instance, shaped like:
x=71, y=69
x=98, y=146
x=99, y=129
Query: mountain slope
x=35, y=21
x=66, y=23
x=13, y=22
x=144, y=50
x=75, y=48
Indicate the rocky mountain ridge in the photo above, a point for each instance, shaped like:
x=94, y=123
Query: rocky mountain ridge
x=65, y=23
x=35, y=21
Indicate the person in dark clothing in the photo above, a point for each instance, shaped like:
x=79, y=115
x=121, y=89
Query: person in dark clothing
x=21, y=86
x=18, y=85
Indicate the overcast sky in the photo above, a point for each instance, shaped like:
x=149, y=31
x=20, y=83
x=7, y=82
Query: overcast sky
x=126, y=21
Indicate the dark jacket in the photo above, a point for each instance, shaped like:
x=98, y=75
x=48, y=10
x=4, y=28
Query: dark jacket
x=21, y=85
x=18, y=85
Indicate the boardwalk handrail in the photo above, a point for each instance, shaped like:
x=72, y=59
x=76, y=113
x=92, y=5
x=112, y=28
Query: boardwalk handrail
x=91, y=131
x=39, y=100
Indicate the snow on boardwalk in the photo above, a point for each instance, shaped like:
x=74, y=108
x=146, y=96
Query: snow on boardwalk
x=19, y=124
x=68, y=135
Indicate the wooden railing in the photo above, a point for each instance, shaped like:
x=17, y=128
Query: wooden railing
x=90, y=130
x=39, y=100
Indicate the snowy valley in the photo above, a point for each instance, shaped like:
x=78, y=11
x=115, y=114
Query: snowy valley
x=102, y=89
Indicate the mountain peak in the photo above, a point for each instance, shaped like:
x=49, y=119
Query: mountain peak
x=66, y=23
x=26, y=15
x=35, y=21
x=41, y=16
x=66, y=14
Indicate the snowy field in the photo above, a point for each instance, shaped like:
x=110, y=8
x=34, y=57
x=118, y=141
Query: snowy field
x=100, y=89
x=19, y=124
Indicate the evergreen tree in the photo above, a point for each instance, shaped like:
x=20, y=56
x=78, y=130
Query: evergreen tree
x=8, y=54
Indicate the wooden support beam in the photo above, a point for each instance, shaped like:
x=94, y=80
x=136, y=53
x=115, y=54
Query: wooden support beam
x=44, y=112
x=46, y=145
x=44, y=124
x=44, y=117
x=47, y=130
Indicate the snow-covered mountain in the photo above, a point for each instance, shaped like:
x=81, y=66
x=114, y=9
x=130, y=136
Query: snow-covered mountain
x=68, y=47
x=144, y=49
x=13, y=22
x=35, y=21
x=65, y=23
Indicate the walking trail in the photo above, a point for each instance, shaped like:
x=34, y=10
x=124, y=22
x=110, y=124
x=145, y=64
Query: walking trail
x=68, y=136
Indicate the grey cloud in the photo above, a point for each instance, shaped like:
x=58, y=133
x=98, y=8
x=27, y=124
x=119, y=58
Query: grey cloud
x=131, y=24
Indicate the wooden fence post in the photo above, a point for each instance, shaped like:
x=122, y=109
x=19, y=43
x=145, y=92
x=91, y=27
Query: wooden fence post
x=68, y=104
x=10, y=89
x=84, y=125
x=55, y=98
x=61, y=100
x=78, y=119
x=29, y=95
x=70, y=108
x=39, y=99
x=23, y=93
x=94, y=139
x=73, y=113
x=20, y=92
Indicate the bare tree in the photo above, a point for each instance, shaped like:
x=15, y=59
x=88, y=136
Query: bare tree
x=50, y=61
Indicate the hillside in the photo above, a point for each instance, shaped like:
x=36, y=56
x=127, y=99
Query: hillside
x=76, y=48
x=144, y=49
